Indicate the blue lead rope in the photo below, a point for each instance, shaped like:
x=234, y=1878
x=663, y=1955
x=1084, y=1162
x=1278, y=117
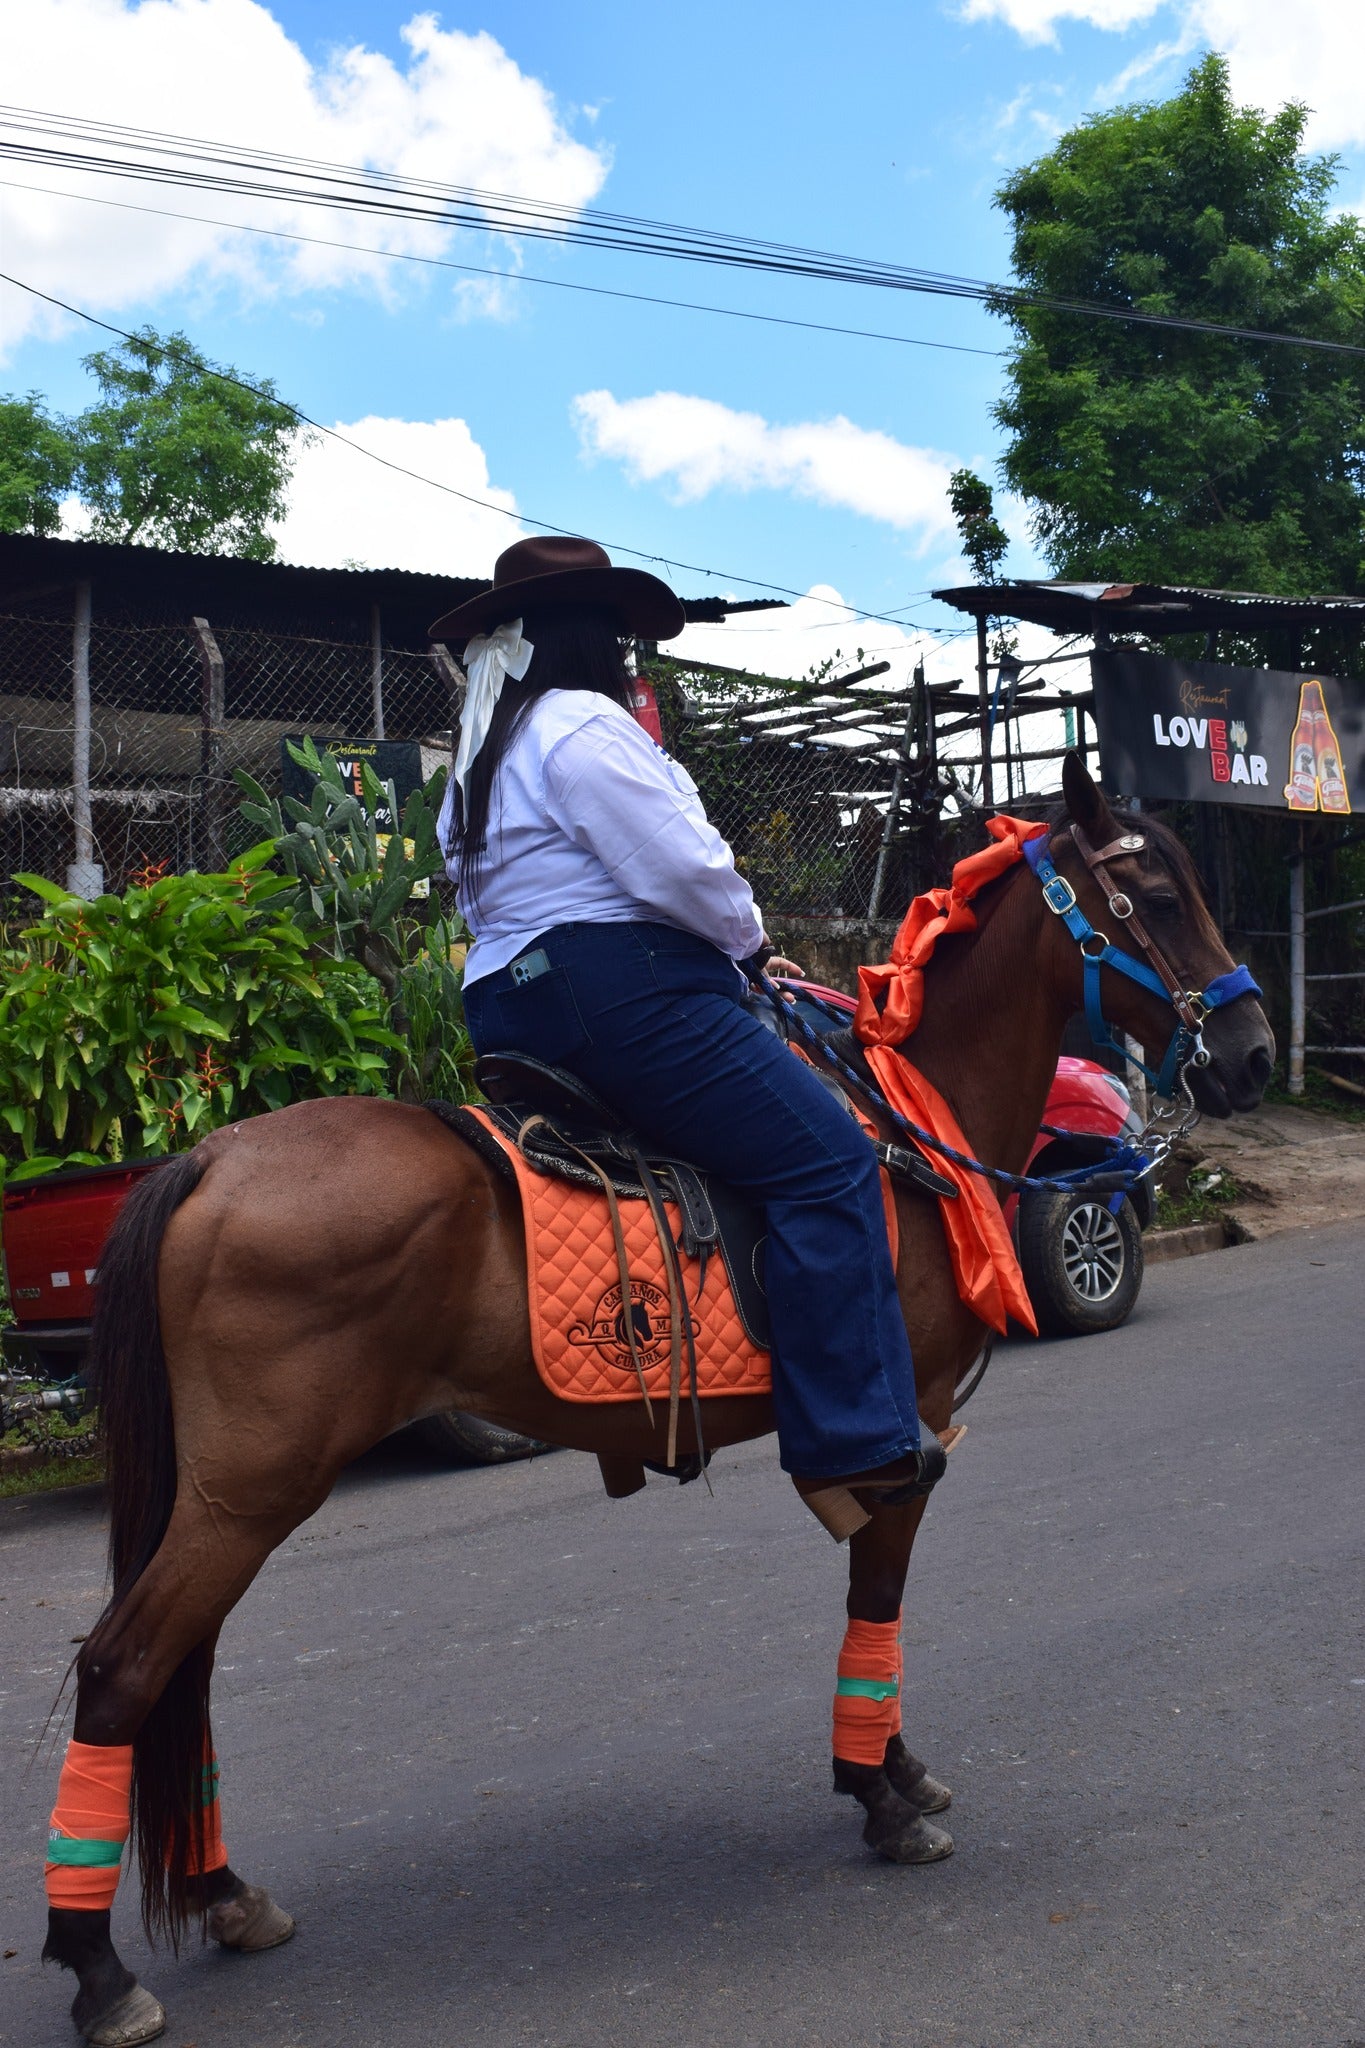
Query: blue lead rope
x=1120, y=1171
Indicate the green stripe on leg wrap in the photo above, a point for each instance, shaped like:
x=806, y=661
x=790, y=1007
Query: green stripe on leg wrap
x=867, y=1688
x=85, y=1855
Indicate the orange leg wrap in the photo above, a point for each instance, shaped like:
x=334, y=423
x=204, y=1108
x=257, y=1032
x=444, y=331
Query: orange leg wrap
x=90, y=1824
x=211, y=1853
x=867, y=1709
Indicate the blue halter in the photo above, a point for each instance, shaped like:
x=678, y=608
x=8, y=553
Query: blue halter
x=1187, y=1042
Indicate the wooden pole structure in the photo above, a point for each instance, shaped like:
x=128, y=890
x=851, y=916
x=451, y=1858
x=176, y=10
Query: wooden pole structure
x=1298, y=1005
x=892, y=810
x=85, y=876
x=983, y=696
x=377, y=672
x=212, y=850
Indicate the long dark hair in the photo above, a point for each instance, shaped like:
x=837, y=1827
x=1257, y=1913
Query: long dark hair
x=577, y=647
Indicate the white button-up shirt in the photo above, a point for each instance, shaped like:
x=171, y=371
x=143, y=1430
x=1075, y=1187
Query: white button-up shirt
x=590, y=822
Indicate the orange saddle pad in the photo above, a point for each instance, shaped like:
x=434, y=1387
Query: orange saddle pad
x=574, y=1286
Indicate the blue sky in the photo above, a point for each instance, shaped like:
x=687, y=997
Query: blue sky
x=812, y=461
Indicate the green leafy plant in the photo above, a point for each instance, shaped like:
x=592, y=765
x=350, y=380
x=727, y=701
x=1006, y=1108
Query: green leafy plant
x=132, y=1025
x=355, y=886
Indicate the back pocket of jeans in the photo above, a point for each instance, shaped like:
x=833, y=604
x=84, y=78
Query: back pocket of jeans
x=540, y=1017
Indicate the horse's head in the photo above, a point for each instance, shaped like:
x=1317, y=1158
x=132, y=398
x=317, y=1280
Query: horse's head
x=1157, y=879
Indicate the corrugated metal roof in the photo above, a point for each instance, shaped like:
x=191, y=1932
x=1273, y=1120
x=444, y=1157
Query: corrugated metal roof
x=1156, y=609
x=132, y=581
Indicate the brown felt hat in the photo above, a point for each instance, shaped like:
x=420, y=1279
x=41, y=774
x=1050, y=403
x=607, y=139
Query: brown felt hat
x=554, y=568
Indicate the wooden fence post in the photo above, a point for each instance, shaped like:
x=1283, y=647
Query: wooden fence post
x=85, y=876
x=377, y=672
x=212, y=698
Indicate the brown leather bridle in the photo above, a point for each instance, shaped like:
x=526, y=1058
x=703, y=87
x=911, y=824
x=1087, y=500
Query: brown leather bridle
x=1189, y=1007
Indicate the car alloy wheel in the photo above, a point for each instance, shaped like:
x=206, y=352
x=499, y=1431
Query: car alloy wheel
x=1093, y=1252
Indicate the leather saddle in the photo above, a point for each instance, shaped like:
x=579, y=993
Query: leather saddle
x=564, y=1129
x=560, y=1126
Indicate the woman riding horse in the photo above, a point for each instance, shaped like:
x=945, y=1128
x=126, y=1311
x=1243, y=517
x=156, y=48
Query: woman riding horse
x=613, y=936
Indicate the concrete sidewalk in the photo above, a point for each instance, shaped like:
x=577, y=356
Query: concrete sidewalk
x=1302, y=1169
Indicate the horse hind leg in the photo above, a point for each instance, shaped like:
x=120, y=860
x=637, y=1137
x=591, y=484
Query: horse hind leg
x=141, y=1760
x=871, y=1761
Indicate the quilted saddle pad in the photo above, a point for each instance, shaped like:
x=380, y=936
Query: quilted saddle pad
x=574, y=1288
x=574, y=1291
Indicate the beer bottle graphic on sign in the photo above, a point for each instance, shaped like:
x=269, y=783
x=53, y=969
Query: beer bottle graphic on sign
x=1301, y=790
x=1332, y=788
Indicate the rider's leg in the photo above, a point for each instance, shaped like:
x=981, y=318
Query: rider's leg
x=652, y=1019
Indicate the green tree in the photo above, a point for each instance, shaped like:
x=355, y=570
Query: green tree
x=1150, y=454
x=179, y=454
x=37, y=465
x=985, y=542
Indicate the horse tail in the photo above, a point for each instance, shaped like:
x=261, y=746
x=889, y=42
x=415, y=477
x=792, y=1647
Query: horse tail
x=129, y=1380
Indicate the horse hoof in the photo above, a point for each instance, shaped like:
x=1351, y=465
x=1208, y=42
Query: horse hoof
x=248, y=1921
x=137, y=2017
x=911, y=1840
x=928, y=1796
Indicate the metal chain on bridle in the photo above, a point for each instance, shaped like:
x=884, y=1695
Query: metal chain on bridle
x=1127, y=1161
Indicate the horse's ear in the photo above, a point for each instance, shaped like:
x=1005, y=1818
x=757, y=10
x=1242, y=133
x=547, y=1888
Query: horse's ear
x=1086, y=802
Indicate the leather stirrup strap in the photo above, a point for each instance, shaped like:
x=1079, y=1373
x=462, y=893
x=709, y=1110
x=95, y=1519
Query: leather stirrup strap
x=618, y=1239
x=675, y=1310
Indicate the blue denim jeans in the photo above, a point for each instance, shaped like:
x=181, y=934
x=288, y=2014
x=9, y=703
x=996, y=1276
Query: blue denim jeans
x=653, y=1020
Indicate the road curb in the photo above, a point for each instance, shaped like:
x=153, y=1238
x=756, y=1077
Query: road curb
x=1160, y=1245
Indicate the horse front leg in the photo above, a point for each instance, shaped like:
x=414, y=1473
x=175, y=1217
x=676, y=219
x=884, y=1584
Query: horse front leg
x=871, y=1761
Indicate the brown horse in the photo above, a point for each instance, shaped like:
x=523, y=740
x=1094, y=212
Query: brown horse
x=281, y=1298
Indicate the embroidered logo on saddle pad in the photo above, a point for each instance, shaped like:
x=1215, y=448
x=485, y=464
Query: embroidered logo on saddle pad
x=605, y=1331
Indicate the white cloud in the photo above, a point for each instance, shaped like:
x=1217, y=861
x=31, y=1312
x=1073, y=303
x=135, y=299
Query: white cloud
x=457, y=109
x=1036, y=20
x=1313, y=51
x=697, y=446
x=816, y=628
x=343, y=508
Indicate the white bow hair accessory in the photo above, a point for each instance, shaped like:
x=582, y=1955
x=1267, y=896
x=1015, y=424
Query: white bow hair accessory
x=489, y=659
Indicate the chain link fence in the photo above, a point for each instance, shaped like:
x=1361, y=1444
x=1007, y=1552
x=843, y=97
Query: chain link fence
x=173, y=708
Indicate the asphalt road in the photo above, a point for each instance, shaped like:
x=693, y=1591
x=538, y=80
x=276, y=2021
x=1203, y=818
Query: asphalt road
x=532, y=1767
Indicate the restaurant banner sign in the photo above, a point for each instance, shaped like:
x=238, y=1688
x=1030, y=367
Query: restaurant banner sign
x=395, y=761
x=1214, y=734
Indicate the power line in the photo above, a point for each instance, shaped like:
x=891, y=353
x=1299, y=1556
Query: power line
x=665, y=562
x=187, y=161
x=509, y=276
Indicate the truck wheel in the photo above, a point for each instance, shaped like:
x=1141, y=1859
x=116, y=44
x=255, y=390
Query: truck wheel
x=461, y=1439
x=1082, y=1264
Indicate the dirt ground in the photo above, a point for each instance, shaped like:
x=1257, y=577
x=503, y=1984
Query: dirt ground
x=1299, y=1169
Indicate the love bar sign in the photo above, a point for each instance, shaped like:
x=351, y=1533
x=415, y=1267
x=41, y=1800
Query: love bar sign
x=1207, y=732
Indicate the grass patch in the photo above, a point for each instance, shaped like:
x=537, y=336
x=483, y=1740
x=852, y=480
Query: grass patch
x=51, y=1475
x=1195, y=1196
x=1318, y=1094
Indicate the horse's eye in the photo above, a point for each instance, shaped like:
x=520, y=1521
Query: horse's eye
x=1162, y=905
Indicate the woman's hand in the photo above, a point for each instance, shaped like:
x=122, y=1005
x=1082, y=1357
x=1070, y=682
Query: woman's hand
x=778, y=963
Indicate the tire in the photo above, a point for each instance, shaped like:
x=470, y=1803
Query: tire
x=1082, y=1265
x=459, y=1439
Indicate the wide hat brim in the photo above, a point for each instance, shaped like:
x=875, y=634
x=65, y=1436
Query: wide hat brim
x=645, y=606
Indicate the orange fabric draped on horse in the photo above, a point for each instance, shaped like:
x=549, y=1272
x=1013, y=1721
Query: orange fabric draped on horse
x=890, y=1004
